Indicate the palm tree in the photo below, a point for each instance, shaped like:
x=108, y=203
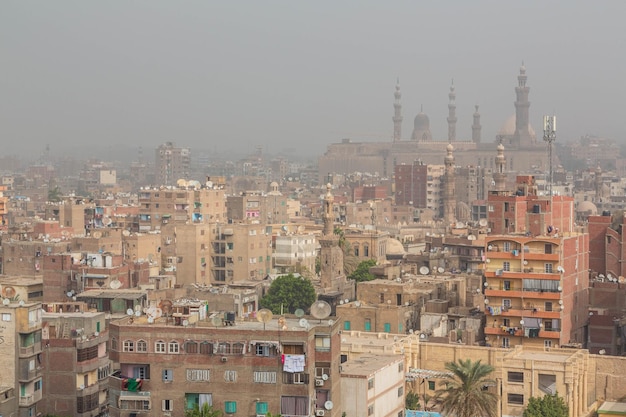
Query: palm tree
x=350, y=262
x=205, y=411
x=464, y=394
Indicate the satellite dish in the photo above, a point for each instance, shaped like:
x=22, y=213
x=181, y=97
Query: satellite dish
x=137, y=307
x=303, y=323
x=107, y=221
x=6, y=301
x=69, y=294
x=357, y=303
x=441, y=270
x=125, y=232
x=482, y=222
x=320, y=309
x=96, y=334
x=299, y=312
x=130, y=312
x=328, y=405
x=158, y=312
x=264, y=315
x=115, y=284
x=346, y=301
x=325, y=377
x=9, y=292
x=331, y=322
x=424, y=270
x=460, y=225
x=137, y=313
x=97, y=234
x=471, y=237
x=21, y=303
x=181, y=183
x=185, y=322
x=216, y=321
x=150, y=319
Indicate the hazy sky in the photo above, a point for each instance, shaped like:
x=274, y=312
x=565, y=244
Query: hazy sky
x=294, y=76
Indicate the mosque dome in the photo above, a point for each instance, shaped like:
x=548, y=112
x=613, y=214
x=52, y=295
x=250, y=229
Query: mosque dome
x=421, y=128
x=395, y=249
x=587, y=207
x=508, y=128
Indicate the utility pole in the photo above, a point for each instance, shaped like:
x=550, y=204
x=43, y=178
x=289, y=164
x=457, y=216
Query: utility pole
x=549, y=136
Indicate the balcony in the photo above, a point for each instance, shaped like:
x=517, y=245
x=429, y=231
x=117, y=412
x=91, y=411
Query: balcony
x=30, y=399
x=31, y=350
x=134, y=401
x=519, y=273
x=523, y=293
x=29, y=375
x=504, y=331
x=89, y=390
x=524, y=312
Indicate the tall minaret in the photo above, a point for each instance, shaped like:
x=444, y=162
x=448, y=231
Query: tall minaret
x=522, y=135
x=476, y=127
x=451, y=114
x=449, y=200
x=499, y=174
x=331, y=255
x=598, y=183
x=397, y=114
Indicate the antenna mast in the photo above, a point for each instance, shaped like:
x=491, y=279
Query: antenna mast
x=549, y=136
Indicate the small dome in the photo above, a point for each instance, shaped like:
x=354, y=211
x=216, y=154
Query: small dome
x=394, y=247
x=587, y=207
x=508, y=128
x=449, y=148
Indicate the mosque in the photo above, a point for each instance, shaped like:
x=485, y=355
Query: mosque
x=524, y=152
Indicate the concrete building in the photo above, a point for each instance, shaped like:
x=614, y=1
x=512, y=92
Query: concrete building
x=171, y=164
x=373, y=385
x=75, y=360
x=294, y=252
x=20, y=360
x=247, y=368
x=536, y=269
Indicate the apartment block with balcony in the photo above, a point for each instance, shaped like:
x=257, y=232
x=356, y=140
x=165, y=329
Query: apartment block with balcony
x=284, y=365
x=536, y=266
x=76, y=361
x=20, y=357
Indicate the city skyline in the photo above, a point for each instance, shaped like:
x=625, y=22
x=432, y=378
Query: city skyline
x=294, y=78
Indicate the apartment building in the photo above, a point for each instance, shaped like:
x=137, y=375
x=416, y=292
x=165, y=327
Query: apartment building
x=286, y=365
x=75, y=360
x=20, y=357
x=171, y=164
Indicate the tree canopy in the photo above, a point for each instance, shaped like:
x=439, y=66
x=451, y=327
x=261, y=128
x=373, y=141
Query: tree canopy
x=205, y=411
x=289, y=293
x=362, y=272
x=463, y=394
x=546, y=406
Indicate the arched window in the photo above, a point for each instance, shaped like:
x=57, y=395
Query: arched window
x=191, y=346
x=238, y=348
x=366, y=250
x=128, y=346
x=113, y=343
x=142, y=346
x=159, y=347
x=355, y=249
x=206, y=348
x=223, y=348
x=173, y=347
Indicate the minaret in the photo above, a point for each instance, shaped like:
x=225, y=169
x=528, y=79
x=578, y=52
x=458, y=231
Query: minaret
x=331, y=255
x=598, y=183
x=499, y=175
x=476, y=127
x=397, y=114
x=451, y=115
x=449, y=200
x=522, y=135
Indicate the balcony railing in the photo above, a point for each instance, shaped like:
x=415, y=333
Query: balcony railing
x=30, y=399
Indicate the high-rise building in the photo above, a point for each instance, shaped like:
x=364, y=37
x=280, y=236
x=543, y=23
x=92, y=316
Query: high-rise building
x=171, y=164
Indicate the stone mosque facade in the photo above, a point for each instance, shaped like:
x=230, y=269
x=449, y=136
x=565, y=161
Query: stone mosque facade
x=524, y=152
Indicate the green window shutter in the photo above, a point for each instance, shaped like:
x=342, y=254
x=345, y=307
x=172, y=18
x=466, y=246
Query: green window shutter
x=230, y=407
x=261, y=408
x=346, y=325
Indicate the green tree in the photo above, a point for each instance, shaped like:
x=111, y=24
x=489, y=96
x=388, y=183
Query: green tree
x=412, y=401
x=362, y=272
x=205, y=411
x=289, y=293
x=546, y=406
x=54, y=194
x=463, y=394
x=350, y=262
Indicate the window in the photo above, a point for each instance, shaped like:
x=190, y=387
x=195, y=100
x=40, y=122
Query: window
x=142, y=346
x=346, y=325
x=191, y=347
x=206, y=348
x=368, y=325
x=141, y=372
x=198, y=375
x=548, y=268
x=491, y=208
x=167, y=405
x=370, y=383
x=128, y=346
x=159, y=346
x=6, y=316
x=431, y=385
x=223, y=348
x=264, y=377
x=548, y=306
x=506, y=303
x=173, y=347
x=230, y=407
x=37, y=385
x=401, y=367
x=517, y=399
x=322, y=343
x=506, y=265
x=194, y=399
x=321, y=369
x=547, y=343
x=506, y=342
x=387, y=327
x=400, y=391
x=168, y=375
x=113, y=343
x=291, y=405
x=548, y=248
x=261, y=408
x=515, y=376
x=506, y=246
x=507, y=284
x=230, y=376
x=370, y=410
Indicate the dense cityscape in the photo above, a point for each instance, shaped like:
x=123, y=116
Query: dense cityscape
x=359, y=284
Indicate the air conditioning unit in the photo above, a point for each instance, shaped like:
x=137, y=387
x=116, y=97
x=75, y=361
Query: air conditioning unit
x=320, y=412
x=319, y=382
x=224, y=359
